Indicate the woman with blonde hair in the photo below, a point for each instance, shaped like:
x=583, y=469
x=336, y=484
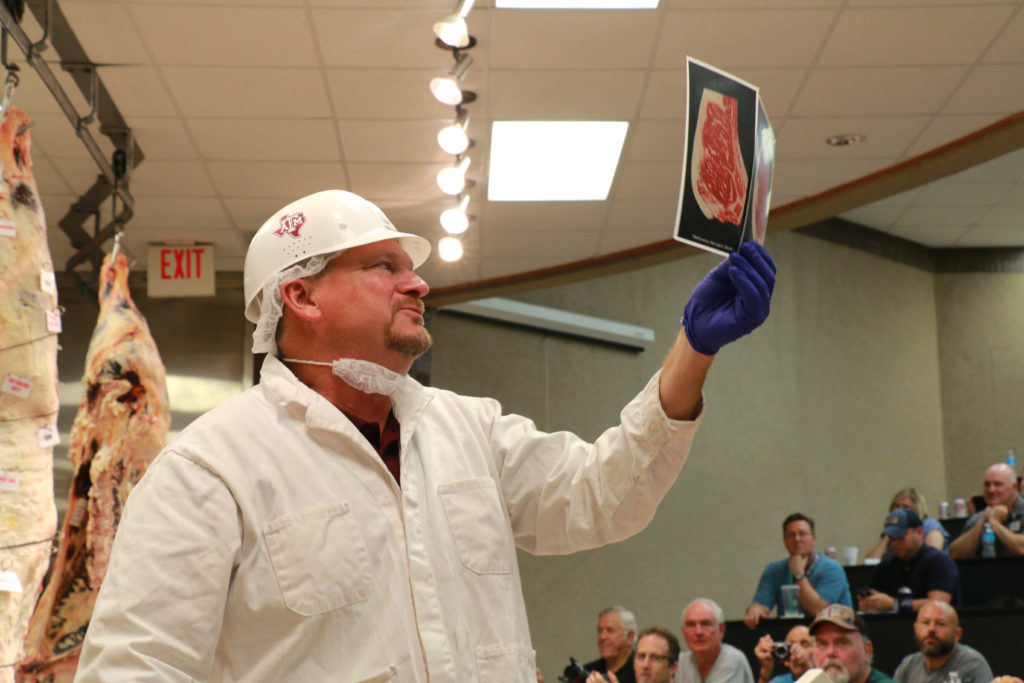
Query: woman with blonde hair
x=934, y=533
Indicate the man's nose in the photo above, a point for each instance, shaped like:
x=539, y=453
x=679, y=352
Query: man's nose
x=415, y=284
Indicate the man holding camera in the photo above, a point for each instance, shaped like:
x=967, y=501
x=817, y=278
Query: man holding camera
x=795, y=653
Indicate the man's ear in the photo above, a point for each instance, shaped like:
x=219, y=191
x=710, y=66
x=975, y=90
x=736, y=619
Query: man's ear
x=297, y=296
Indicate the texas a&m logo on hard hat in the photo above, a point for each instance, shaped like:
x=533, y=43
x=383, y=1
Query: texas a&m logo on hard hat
x=290, y=224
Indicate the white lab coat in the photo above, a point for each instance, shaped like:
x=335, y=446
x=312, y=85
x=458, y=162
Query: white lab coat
x=270, y=543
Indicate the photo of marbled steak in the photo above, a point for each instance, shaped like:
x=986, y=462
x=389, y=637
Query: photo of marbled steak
x=30, y=400
x=120, y=427
x=718, y=176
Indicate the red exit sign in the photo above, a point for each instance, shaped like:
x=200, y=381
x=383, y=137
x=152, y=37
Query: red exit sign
x=181, y=270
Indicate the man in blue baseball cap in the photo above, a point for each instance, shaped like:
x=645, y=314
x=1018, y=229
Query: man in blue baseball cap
x=929, y=573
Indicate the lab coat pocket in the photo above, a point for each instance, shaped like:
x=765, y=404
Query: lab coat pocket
x=390, y=675
x=319, y=558
x=479, y=525
x=505, y=662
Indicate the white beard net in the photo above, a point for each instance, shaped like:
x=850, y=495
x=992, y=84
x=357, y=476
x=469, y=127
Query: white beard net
x=363, y=375
x=264, y=338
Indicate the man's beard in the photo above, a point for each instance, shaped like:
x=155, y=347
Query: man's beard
x=411, y=345
x=939, y=648
x=838, y=673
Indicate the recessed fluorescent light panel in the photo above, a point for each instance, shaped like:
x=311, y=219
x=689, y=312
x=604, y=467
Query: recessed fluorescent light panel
x=576, y=4
x=547, y=161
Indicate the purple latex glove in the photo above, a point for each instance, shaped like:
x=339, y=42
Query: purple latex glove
x=731, y=300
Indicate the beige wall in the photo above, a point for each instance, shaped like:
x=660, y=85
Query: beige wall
x=828, y=409
x=982, y=366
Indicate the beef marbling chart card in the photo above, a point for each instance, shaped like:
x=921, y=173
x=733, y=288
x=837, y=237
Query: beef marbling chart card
x=718, y=160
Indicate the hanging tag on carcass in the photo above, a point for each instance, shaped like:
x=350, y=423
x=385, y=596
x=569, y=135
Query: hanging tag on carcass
x=48, y=282
x=16, y=385
x=7, y=228
x=48, y=437
x=10, y=583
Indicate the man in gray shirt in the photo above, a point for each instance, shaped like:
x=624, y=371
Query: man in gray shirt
x=709, y=659
x=937, y=632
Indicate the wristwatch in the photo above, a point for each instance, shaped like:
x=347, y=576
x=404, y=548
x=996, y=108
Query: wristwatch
x=797, y=578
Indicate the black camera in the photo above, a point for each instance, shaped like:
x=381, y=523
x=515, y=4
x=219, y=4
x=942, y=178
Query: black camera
x=576, y=672
x=781, y=651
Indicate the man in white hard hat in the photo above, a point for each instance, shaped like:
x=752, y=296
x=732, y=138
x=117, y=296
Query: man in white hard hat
x=340, y=521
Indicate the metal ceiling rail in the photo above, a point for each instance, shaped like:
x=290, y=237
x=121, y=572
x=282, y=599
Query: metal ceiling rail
x=114, y=175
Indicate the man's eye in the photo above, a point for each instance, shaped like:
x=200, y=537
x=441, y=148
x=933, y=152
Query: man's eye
x=386, y=265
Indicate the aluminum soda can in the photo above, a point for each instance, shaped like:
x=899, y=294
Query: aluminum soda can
x=905, y=599
x=959, y=507
x=944, y=510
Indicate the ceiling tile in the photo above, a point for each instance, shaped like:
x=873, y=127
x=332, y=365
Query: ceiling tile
x=381, y=37
x=139, y=240
x=749, y=4
x=387, y=94
x=642, y=215
x=804, y=138
x=895, y=91
x=564, y=245
x=700, y=34
x=930, y=236
x=655, y=141
x=31, y=95
x=939, y=216
x=620, y=240
x=107, y=32
x=990, y=89
x=162, y=138
x=564, y=95
x=249, y=213
x=226, y=36
x=401, y=141
x=997, y=170
x=80, y=174
x=160, y=213
x=287, y=139
x=54, y=135
x=665, y=96
x=875, y=216
x=805, y=177
x=254, y=92
x=1009, y=47
x=274, y=178
x=394, y=181
x=522, y=217
x=924, y=3
x=993, y=236
x=138, y=91
x=648, y=180
x=161, y=178
x=947, y=128
x=572, y=39
x=913, y=35
x=949, y=192
x=1004, y=219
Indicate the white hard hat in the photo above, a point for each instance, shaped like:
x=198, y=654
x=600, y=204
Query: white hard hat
x=321, y=223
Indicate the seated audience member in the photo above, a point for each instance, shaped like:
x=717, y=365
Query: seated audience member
x=820, y=580
x=616, y=632
x=929, y=573
x=709, y=659
x=799, y=660
x=655, y=661
x=1004, y=510
x=908, y=498
x=842, y=647
x=937, y=633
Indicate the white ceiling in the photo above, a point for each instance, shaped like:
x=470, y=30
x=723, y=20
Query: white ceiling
x=241, y=106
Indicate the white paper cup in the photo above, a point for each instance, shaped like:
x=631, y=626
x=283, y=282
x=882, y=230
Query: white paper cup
x=850, y=555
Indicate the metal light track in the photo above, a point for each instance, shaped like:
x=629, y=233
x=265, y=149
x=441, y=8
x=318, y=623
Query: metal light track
x=112, y=124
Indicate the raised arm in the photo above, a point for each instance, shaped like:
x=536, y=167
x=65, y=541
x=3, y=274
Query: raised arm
x=731, y=301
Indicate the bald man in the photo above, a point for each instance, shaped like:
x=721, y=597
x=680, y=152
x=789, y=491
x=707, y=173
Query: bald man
x=1004, y=509
x=937, y=633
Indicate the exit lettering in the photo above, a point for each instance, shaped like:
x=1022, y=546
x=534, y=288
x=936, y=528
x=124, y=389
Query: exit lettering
x=183, y=263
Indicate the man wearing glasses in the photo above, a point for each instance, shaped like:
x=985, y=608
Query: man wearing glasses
x=655, y=661
x=819, y=580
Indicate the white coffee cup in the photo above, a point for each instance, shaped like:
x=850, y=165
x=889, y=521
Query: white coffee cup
x=850, y=555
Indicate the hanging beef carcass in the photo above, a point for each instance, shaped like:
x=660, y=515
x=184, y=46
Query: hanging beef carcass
x=120, y=427
x=29, y=400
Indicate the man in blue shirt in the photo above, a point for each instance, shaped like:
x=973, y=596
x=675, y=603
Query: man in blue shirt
x=819, y=580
